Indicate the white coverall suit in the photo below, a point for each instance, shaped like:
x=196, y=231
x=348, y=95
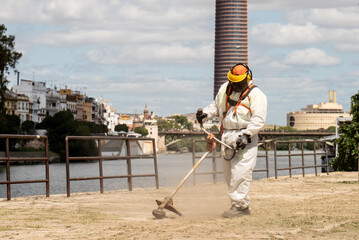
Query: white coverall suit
x=248, y=119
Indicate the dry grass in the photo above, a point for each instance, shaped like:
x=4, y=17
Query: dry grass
x=323, y=207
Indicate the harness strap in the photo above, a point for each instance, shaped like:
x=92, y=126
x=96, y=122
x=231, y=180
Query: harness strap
x=243, y=96
x=230, y=102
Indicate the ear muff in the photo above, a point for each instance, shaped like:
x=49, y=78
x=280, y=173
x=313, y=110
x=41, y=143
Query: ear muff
x=238, y=78
x=249, y=77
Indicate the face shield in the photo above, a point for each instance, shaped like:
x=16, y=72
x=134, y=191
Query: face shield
x=239, y=76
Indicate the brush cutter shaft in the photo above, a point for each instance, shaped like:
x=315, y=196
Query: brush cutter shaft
x=224, y=144
x=169, y=198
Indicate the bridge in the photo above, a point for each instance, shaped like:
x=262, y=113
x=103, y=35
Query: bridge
x=166, y=138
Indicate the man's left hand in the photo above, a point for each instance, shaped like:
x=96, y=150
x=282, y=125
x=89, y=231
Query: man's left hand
x=242, y=141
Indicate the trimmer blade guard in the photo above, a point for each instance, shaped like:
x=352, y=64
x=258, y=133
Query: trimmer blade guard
x=169, y=207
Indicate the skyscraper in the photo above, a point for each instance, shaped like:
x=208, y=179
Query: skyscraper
x=231, y=38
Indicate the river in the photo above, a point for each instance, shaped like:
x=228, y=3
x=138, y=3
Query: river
x=172, y=168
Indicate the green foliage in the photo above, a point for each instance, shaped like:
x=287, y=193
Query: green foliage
x=9, y=124
x=121, y=127
x=62, y=124
x=181, y=122
x=330, y=129
x=141, y=130
x=347, y=155
x=8, y=60
x=178, y=122
x=28, y=127
x=188, y=143
x=214, y=129
x=95, y=128
x=286, y=129
x=164, y=125
x=82, y=148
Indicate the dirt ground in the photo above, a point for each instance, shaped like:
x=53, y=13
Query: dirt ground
x=322, y=207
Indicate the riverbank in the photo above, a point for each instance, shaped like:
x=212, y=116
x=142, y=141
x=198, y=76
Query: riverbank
x=323, y=207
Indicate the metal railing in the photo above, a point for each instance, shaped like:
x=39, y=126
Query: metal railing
x=100, y=158
x=216, y=155
x=8, y=159
x=264, y=145
x=302, y=155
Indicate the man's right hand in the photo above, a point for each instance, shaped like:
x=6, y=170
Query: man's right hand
x=200, y=115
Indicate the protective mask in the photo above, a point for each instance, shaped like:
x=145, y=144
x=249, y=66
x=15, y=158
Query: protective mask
x=239, y=86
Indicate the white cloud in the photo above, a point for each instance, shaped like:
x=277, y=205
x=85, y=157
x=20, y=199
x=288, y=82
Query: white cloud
x=266, y=65
x=70, y=22
x=89, y=44
x=286, y=35
x=346, y=17
x=297, y=4
x=345, y=39
x=153, y=54
x=293, y=35
x=348, y=47
x=105, y=13
x=287, y=94
x=121, y=36
x=311, y=56
x=354, y=74
x=163, y=95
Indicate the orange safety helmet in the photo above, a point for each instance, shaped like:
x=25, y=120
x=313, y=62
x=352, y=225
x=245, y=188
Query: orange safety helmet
x=239, y=73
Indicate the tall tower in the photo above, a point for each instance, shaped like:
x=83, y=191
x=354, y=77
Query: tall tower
x=231, y=38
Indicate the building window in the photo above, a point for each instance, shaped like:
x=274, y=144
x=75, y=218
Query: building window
x=291, y=121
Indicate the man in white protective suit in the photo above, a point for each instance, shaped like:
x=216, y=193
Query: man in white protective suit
x=242, y=109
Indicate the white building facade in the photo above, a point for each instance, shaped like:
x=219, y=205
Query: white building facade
x=317, y=116
x=36, y=91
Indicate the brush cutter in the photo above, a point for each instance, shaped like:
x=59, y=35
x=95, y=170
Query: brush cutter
x=167, y=203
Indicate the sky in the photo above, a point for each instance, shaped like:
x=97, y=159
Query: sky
x=160, y=53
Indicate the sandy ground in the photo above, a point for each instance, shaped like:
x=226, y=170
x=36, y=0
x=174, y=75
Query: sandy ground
x=322, y=207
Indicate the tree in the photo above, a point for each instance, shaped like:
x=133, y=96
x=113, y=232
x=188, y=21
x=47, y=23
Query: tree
x=121, y=127
x=214, y=129
x=28, y=127
x=330, y=129
x=62, y=124
x=8, y=60
x=286, y=129
x=95, y=128
x=181, y=122
x=9, y=124
x=164, y=125
x=347, y=155
x=141, y=130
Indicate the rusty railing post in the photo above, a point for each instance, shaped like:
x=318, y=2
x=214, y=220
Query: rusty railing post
x=100, y=164
x=129, y=167
x=302, y=147
x=327, y=158
x=67, y=167
x=275, y=160
x=7, y=152
x=214, y=165
x=267, y=159
x=155, y=162
x=290, y=160
x=194, y=161
x=47, y=167
x=315, y=159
